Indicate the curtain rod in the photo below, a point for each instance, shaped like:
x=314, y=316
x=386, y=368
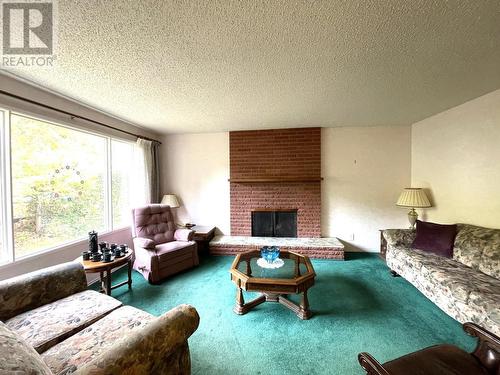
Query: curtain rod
x=73, y=116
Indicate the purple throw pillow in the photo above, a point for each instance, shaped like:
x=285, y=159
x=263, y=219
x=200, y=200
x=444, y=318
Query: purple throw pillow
x=435, y=238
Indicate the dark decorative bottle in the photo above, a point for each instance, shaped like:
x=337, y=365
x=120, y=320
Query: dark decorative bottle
x=93, y=242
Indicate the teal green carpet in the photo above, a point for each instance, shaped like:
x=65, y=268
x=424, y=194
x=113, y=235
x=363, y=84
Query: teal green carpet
x=357, y=307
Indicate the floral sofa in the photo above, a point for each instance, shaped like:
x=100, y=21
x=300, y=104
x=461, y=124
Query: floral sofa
x=466, y=287
x=51, y=324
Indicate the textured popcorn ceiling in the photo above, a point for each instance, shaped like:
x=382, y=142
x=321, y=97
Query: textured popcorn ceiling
x=195, y=66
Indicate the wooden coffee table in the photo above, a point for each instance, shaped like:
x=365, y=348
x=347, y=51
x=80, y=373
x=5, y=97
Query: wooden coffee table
x=105, y=269
x=296, y=276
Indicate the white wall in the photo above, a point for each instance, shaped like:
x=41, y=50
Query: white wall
x=456, y=155
x=195, y=167
x=356, y=198
x=364, y=171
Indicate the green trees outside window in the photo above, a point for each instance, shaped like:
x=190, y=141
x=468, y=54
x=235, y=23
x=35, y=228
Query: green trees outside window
x=65, y=182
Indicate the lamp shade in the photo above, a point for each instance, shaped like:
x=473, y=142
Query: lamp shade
x=413, y=197
x=170, y=200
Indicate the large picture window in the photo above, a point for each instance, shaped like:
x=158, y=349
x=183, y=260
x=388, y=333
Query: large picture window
x=122, y=160
x=63, y=183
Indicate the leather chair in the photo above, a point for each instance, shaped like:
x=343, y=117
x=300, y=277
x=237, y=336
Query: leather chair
x=443, y=359
x=160, y=248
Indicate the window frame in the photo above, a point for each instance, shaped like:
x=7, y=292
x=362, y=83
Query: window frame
x=110, y=170
x=6, y=194
x=6, y=190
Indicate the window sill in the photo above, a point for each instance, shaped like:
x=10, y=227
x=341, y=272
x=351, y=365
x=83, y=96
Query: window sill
x=56, y=249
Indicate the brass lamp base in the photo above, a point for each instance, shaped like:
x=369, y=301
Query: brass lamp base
x=412, y=218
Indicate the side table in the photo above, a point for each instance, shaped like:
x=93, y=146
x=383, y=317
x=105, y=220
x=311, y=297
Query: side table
x=105, y=268
x=203, y=235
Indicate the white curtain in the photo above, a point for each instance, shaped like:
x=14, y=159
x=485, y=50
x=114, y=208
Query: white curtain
x=146, y=176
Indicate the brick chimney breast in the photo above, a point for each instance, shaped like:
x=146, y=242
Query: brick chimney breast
x=276, y=169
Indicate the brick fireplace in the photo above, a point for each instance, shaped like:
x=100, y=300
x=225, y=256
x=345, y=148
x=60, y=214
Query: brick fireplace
x=276, y=170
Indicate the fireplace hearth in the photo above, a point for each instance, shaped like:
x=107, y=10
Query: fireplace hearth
x=279, y=223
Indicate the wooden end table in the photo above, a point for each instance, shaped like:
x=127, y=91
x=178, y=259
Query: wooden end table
x=105, y=269
x=296, y=276
x=203, y=235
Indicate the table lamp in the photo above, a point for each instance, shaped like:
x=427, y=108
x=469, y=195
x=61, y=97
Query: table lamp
x=170, y=200
x=414, y=198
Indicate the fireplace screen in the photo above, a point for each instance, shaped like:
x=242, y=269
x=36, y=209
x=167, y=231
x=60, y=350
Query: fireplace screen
x=274, y=223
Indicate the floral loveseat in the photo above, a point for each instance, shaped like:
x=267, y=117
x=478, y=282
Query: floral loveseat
x=466, y=287
x=51, y=324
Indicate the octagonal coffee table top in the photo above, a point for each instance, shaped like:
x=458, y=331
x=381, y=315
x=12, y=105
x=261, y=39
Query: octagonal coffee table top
x=296, y=270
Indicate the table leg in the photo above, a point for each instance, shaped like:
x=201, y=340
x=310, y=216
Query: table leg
x=130, y=274
x=240, y=301
x=101, y=278
x=249, y=269
x=297, y=268
x=241, y=307
x=239, y=297
x=304, y=312
x=108, y=282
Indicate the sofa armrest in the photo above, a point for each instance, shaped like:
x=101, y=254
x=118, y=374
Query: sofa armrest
x=399, y=237
x=488, y=346
x=29, y=291
x=183, y=234
x=145, y=243
x=371, y=365
x=143, y=351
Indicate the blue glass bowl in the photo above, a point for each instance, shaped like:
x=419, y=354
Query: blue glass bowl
x=270, y=253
